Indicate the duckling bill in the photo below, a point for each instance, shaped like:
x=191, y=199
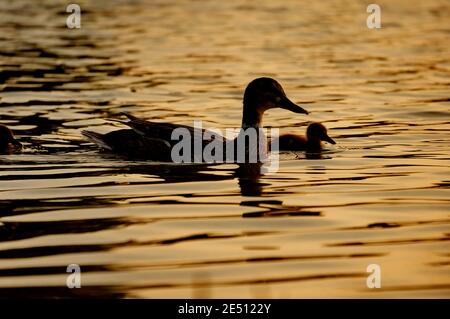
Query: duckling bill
x=312, y=142
x=8, y=144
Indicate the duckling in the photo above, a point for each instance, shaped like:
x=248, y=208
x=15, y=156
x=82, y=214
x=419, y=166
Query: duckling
x=260, y=95
x=312, y=142
x=8, y=144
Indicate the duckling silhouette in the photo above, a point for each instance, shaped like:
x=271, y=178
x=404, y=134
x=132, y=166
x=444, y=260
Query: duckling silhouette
x=8, y=144
x=312, y=142
x=153, y=140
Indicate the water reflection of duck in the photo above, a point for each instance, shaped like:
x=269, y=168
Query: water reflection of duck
x=312, y=142
x=152, y=140
x=8, y=144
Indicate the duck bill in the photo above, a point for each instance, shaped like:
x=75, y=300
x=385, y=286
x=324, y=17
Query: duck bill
x=287, y=104
x=329, y=140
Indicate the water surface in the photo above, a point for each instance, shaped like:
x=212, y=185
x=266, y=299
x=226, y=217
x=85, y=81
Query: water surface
x=142, y=229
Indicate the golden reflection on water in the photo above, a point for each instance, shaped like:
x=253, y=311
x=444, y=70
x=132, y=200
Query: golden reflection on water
x=140, y=229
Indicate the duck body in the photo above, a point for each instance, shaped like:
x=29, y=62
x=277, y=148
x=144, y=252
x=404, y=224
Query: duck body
x=149, y=140
x=8, y=143
x=312, y=142
x=146, y=140
x=128, y=143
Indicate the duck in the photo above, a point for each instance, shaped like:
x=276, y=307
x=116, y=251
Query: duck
x=153, y=140
x=8, y=143
x=312, y=142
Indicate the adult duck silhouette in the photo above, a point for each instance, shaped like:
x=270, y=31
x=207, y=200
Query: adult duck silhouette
x=153, y=140
x=8, y=144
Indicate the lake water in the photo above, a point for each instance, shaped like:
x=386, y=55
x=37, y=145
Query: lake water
x=142, y=229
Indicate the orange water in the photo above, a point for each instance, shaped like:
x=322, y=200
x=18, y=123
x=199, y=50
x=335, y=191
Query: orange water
x=142, y=229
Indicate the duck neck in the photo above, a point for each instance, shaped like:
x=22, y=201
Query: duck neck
x=251, y=116
x=314, y=144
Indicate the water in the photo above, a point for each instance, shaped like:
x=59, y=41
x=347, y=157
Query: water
x=142, y=229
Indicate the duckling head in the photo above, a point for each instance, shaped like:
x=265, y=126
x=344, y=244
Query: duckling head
x=7, y=140
x=318, y=132
x=265, y=93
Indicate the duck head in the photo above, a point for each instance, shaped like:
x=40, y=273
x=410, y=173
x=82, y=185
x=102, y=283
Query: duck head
x=7, y=140
x=316, y=132
x=262, y=94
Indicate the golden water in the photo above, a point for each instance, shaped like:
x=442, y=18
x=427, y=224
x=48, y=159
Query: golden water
x=141, y=229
